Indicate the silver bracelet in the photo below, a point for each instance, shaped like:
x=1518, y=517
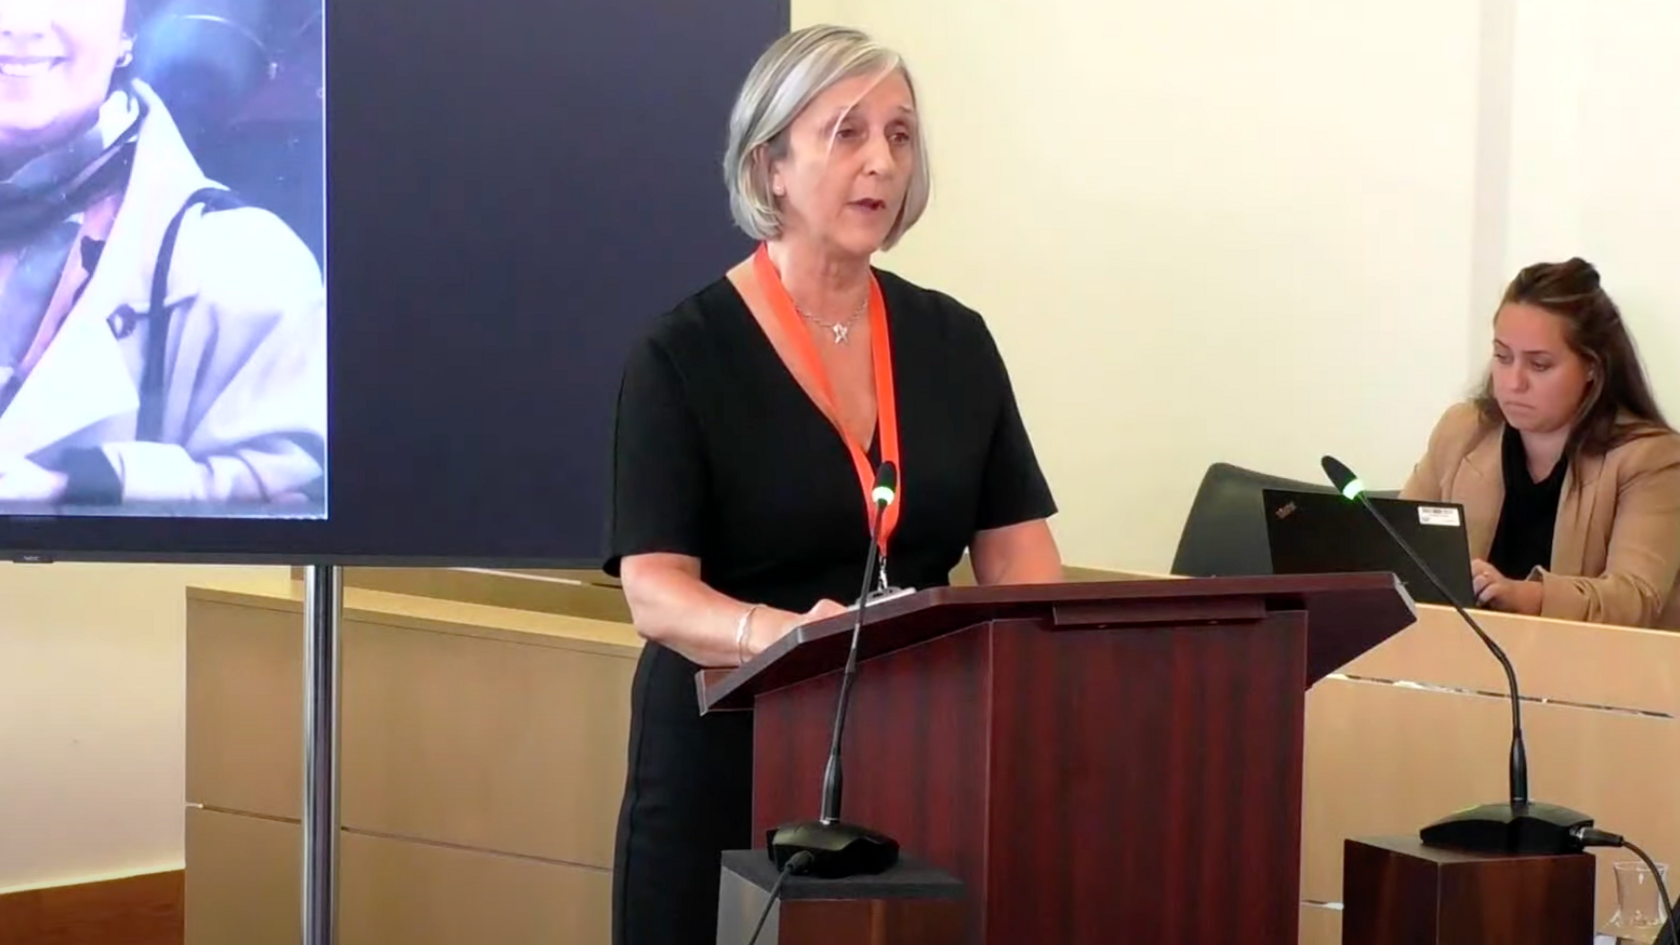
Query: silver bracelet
x=741, y=633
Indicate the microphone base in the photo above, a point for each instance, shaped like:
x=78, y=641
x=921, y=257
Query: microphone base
x=1528, y=829
x=837, y=849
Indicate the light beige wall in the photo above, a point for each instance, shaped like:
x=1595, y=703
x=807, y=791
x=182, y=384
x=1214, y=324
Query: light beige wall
x=1596, y=141
x=92, y=695
x=1259, y=232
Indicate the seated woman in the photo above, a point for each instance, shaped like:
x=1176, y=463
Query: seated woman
x=1568, y=473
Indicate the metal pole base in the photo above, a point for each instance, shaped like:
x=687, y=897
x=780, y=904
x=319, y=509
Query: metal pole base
x=323, y=598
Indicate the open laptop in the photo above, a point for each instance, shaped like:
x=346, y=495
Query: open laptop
x=1322, y=532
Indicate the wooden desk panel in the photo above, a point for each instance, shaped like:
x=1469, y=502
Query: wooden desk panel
x=1387, y=759
x=575, y=593
x=487, y=734
x=418, y=894
x=245, y=707
x=494, y=745
x=1584, y=664
x=1320, y=925
x=483, y=757
x=242, y=886
x=244, y=880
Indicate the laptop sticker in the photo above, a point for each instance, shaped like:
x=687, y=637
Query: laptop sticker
x=1435, y=515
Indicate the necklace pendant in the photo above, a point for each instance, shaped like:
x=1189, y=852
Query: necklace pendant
x=840, y=332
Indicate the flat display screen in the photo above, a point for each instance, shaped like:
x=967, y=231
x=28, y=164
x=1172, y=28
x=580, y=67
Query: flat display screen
x=347, y=282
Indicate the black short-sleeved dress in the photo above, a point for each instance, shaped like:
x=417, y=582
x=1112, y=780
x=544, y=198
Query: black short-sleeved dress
x=720, y=454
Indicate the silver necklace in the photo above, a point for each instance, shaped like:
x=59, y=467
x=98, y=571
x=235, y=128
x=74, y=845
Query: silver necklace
x=840, y=329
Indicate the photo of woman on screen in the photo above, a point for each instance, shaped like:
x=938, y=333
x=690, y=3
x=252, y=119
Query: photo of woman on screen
x=162, y=341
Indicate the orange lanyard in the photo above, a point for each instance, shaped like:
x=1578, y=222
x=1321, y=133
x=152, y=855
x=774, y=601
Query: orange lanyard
x=886, y=404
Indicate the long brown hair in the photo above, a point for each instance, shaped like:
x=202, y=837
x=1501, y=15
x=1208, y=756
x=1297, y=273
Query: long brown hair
x=1572, y=291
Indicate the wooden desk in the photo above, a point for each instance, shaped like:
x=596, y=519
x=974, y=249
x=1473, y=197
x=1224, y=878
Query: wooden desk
x=484, y=753
x=482, y=764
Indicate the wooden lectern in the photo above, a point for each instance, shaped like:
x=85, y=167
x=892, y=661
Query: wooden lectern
x=1097, y=763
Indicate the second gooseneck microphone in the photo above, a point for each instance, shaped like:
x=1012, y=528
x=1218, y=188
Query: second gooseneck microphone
x=1519, y=825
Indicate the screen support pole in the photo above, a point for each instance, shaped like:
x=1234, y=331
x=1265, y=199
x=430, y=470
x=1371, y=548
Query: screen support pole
x=322, y=605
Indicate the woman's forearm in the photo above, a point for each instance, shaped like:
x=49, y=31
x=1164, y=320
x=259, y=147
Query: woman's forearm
x=1017, y=554
x=671, y=606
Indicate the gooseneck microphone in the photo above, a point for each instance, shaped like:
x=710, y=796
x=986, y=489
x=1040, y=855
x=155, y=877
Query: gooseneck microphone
x=1519, y=825
x=885, y=491
x=834, y=848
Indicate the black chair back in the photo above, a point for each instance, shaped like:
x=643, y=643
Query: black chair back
x=1225, y=532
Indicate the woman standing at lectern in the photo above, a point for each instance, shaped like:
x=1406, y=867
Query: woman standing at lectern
x=1568, y=473
x=750, y=421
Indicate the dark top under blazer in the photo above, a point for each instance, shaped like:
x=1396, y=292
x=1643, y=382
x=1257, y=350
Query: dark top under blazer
x=720, y=454
x=1528, y=516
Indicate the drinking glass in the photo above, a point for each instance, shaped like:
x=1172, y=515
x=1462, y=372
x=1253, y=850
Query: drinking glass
x=1640, y=912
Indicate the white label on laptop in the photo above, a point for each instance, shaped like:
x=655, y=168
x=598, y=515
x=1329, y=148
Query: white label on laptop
x=1436, y=515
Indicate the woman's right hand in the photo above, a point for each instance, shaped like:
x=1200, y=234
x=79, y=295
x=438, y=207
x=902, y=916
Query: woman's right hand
x=768, y=625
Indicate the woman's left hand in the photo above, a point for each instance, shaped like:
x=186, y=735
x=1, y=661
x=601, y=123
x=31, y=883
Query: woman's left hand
x=1495, y=591
x=24, y=481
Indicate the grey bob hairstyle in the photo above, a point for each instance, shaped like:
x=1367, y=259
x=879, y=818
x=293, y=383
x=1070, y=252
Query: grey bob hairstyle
x=796, y=69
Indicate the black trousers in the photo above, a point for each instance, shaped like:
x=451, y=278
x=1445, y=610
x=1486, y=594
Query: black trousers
x=687, y=798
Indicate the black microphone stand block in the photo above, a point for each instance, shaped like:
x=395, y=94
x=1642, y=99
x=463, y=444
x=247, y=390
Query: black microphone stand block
x=837, y=849
x=1524, y=828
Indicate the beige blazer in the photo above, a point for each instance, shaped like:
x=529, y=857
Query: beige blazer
x=245, y=382
x=1616, y=546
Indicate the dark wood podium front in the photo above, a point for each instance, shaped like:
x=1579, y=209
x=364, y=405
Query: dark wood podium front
x=1096, y=763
